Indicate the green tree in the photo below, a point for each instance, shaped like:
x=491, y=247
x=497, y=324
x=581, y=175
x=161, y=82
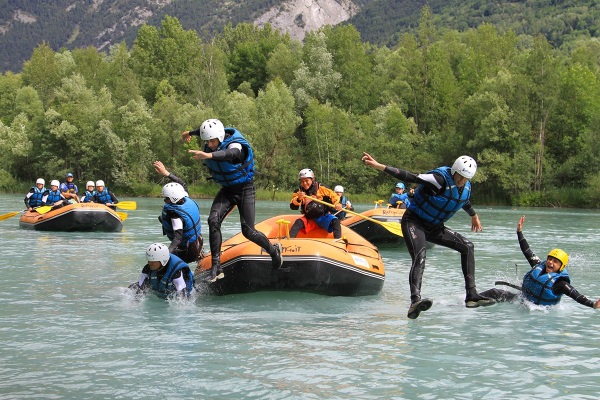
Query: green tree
x=274, y=141
x=249, y=47
x=315, y=78
x=9, y=84
x=42, y=71
x=351, y=60
x=166, y=53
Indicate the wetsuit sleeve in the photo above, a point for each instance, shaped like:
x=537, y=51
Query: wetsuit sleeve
x=177, y=237
x=468, y=207
x=230, y=154
x=195, y=132
x=113, y=198
x=401, y=175
x=561, y=286
x=172, y=177
x=529, y=255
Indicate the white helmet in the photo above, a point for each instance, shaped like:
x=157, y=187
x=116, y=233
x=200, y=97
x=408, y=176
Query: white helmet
x=55, y=182
x=465, y=166
x=338, y=189
x=100, y=183
x=89, y=183
x=212, y=128
x=158, y=252
x=40, y=180
x=174, y=191
x=306, y=173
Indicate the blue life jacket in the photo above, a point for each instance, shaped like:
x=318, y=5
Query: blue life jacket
x=89, y=196
x=341, y=214
x=35, y=200
x=537, y=285
x=189, y=212
x=68, y=187
x=394, y=198
x=227, y=173
x=53, y=197
x=440, y=208
x=164, y=287
x=103, y=197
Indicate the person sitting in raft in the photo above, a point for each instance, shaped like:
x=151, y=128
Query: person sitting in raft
x=33, y=198
x=165, y=274
x=400, y=199
x=53, y=196
x=69, y=189
x=180, y=218
x=314, y=214
x=90, y=193
x=546, y=282
x=344, y=201
x=104, y=195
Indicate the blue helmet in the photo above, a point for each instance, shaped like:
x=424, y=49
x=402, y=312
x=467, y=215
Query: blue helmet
x=400, y=185
x=69, y=175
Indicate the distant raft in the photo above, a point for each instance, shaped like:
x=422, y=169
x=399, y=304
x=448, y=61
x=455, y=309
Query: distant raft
x=74, y=217
x=373, y=232
x=313, y=262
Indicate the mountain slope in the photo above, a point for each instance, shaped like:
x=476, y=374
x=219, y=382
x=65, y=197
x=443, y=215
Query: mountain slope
x=24, y=24
x=78, y=23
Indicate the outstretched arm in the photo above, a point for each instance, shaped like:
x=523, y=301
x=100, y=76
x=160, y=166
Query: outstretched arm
x=532, y=259
x=563, y=287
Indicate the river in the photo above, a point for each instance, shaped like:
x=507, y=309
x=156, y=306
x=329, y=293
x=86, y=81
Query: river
x=69, y=329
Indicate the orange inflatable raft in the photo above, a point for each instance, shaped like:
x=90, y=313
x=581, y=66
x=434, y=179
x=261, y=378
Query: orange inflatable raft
x=74, y=217
x=313, y=262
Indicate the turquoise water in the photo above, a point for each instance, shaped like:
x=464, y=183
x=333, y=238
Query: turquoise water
x=69, y=330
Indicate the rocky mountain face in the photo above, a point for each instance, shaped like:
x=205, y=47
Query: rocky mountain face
x=297, y=17
x=24, y=24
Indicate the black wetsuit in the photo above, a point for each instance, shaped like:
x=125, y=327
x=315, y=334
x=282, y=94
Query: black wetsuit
x=243, y=196
x=561, y=286
x=417, y=232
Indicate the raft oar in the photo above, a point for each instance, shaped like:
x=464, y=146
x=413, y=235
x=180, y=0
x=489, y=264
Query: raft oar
x=393, y=227
x=122, y=215
x=127, y=205
x=9, y=215
x=508, y=284
x=43, y=209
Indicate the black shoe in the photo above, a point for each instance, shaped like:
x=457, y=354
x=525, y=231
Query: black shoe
x=216, y=272
x=476, y=300
x=277, y=259
x=415, y=308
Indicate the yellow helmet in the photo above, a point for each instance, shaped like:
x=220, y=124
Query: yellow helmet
x=561, y=256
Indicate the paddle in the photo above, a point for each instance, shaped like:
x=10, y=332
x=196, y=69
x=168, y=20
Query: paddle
x=392, y=227
x=43, y=209
x=122, y=215
x=9, y=215
x=127, y=205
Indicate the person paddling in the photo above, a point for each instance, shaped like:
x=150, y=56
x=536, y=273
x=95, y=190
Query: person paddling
x=546, y=282
x=33, y=198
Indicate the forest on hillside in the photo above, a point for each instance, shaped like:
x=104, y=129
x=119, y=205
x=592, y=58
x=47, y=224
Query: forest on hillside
x=525, y=110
